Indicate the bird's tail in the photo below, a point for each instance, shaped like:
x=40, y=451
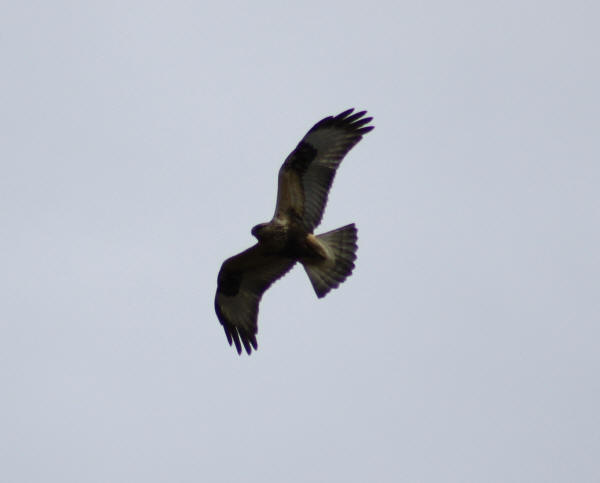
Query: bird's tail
x=340, y=249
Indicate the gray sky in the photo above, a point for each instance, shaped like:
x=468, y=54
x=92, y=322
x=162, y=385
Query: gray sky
x=140, y=142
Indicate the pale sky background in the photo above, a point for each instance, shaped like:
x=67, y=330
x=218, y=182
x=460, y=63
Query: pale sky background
x=140, y=142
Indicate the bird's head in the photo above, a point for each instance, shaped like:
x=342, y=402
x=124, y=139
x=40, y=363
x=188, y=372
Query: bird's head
x=257, y=231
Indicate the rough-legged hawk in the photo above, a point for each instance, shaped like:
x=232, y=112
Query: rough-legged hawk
x=304, y=182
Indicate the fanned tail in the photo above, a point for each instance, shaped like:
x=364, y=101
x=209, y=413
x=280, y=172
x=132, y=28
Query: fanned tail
x=340, y=247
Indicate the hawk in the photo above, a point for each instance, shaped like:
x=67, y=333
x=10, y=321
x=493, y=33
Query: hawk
x=303, y=186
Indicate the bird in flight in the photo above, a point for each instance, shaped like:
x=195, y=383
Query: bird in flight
x=328, y=259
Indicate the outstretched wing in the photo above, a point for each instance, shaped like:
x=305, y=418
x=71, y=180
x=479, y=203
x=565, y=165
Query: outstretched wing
x=307, y=173
x=242, y=280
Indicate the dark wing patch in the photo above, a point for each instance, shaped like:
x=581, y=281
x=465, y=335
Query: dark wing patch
x=241, y=283
x=301, y=157
x=307, y=174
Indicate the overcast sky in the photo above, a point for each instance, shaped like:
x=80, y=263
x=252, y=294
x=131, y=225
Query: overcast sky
x=140, y=142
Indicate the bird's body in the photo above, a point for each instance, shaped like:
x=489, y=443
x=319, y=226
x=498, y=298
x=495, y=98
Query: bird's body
x=289, y=240
x=303, y=186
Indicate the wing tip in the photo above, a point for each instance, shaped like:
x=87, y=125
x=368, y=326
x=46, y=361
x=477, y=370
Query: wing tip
x=348, y=119
x=235, y=335
x=240, y=340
